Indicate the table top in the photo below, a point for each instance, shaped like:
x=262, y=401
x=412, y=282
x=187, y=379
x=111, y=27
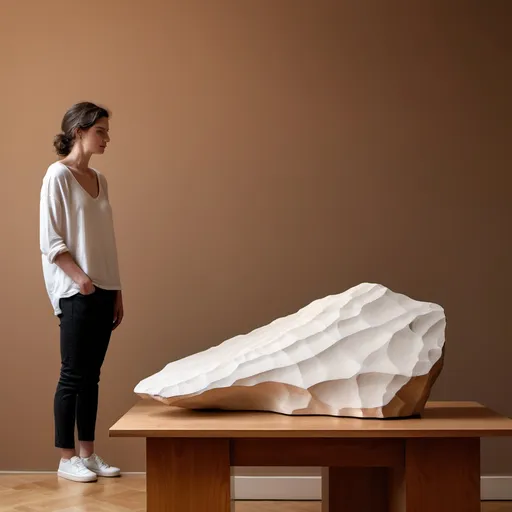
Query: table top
x=149, y=418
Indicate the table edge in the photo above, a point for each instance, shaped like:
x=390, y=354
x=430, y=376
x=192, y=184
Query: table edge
x=310, y=435
x=119, y=429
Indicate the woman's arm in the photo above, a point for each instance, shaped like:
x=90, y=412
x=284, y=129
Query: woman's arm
x=118, y=310
x=52, y=244
x=66, y=262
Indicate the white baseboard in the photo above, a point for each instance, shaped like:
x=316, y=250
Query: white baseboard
x=275, y=488
x=496, y=488
x=297, y=488
x=309, y=488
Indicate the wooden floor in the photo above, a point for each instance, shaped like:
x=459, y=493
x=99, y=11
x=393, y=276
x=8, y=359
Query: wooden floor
x=48, y=493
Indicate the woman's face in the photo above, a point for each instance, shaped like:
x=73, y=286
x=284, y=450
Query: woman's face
x=96, y=138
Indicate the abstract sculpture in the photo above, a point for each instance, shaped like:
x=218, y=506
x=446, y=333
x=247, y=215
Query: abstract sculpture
x=367, y=352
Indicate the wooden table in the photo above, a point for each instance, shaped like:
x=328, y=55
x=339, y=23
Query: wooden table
x=417, y=465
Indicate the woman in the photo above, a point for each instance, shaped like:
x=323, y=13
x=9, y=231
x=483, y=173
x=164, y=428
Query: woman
x=81, y=273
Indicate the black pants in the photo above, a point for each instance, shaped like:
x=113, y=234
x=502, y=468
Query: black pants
x=85, y=331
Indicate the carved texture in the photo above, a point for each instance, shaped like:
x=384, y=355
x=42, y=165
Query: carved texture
x=366, y=352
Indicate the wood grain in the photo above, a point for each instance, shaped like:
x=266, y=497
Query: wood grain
x=440, y=419
x=188, y=475
x=442, y=475
x=355, y=489
x=417, y=464
x=38, y=492
x=438, y=474
x=371, y=452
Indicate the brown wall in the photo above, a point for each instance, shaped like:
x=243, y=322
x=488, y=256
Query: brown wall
x=264, y=154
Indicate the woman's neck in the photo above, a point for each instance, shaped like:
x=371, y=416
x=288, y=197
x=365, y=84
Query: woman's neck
x=78, y=159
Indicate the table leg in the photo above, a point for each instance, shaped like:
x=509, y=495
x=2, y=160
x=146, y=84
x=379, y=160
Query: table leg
x=441, y=475
x=188, y=475
x=348, y=489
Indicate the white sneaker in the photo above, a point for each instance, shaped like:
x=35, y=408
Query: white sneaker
x=74, y=469
x=96, y=464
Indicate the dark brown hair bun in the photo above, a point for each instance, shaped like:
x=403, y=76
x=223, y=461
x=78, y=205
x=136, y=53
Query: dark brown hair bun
x=62, y=144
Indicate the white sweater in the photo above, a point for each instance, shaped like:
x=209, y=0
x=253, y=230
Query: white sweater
x=72, y=220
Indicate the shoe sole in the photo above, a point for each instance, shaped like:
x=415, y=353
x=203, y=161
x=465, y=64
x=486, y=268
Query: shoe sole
x=74, y=478
x=108, y=475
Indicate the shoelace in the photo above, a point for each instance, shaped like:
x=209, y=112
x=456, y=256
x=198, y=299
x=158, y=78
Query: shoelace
x=80, y=465
x=101, y=462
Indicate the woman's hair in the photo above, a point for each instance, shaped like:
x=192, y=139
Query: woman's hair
x=81, y=115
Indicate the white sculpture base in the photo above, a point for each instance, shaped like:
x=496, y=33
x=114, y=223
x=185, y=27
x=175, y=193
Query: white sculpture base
x=367, y=352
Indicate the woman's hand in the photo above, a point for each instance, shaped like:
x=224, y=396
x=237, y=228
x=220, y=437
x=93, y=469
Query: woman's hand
x=66, y=262
x=86, y=286
x=118, y=310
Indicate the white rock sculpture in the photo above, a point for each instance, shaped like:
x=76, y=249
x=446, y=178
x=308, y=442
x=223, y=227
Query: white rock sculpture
x=366, y=352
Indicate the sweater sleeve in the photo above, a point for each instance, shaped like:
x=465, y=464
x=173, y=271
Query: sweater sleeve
x=51, y=224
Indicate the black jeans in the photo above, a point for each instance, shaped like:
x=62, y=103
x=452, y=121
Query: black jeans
x=85, y=329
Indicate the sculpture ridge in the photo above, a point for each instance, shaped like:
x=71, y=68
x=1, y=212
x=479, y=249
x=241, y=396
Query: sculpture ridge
x=365, y=352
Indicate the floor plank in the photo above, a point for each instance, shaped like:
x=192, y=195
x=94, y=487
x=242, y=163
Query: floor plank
x=47, y=493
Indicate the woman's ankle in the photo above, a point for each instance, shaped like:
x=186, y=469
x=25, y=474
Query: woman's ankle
x=67, y=454
x=86, y=449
